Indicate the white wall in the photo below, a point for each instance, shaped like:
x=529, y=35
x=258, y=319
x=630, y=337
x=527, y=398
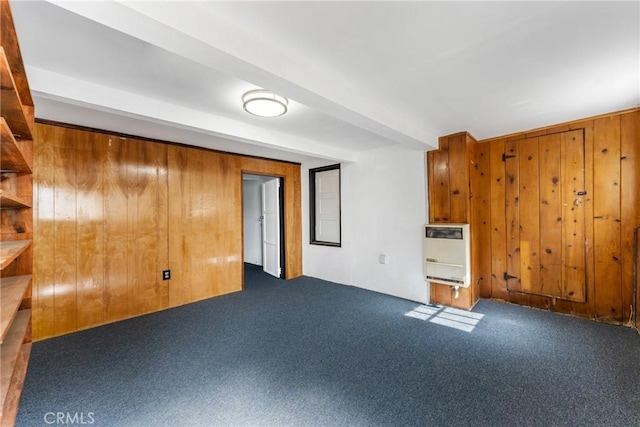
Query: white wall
x=252, y=209
x=383, y=210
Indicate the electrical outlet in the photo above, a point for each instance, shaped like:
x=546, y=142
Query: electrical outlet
x=166, y=274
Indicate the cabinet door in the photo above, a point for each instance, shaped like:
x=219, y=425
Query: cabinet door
x=545, y=216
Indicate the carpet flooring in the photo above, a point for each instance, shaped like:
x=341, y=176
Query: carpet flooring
x=307, y=352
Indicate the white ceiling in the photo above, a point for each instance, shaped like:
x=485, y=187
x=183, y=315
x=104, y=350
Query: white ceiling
x=359, y=74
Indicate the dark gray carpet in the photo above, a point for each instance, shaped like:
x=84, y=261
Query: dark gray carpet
x=307, y=352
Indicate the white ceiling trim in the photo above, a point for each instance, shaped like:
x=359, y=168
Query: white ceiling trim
x=62, y=88
x=186, y=32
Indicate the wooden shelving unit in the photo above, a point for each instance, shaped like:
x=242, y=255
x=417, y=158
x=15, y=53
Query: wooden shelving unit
x=16, y=218
x=10, y=201
x=12, y=293
x=11, y=250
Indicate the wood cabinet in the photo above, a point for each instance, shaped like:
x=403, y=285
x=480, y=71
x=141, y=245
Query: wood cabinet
x=16, y=219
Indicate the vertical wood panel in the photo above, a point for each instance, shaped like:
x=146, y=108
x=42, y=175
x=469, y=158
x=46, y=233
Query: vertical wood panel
x=458, y=179
x=151, y=243
x=179, y=250
x=607, y=218
x=65, y=285
x=163, y=224
x=44, y=234
x=481, y=218
x=89, y=161
x=549, y=150
x=511, y=201
x=498, y=221
x=588, y=308
x=130, y=182
x=230, y=180
x=529, y=202
x=196, y=225
x=293, y=216
x=573, y=216
x=630, y=201
x=116, y=245
x=439, y=189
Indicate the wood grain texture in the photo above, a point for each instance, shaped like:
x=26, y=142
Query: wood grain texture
x=89, y=163
x=13, y=159
x=116, y=244
x=550, y=190
x=114, y=212
x=439, y=187
x=629, y=203
x=597, y=254
x=11, y=46
x=573, y=214
x=481, y=218
x=19, y=116
x=12, y=292
x=529, y=202
x=459, y=164
x=16, y=218
x=449, y=170
x=511, y=166
x=12, y=399
x=66, y=239
x=498, y=255
x=44, y=234
x=606, y=214
x=10, y=351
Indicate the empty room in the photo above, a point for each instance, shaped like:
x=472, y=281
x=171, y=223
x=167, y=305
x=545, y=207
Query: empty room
x=319, y=213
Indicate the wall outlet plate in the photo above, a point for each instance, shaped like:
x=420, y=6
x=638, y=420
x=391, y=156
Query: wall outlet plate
x=166, y=274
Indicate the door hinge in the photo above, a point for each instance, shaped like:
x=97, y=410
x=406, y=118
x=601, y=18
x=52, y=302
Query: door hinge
x=507, y=276
x=507, y=156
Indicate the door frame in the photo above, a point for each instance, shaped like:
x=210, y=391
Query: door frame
x=281, y=214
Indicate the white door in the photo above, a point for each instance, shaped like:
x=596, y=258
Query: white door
x=271, y=227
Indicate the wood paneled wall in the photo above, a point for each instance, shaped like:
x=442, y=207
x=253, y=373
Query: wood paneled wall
x=113, y=212
x=450, y=187
x=611, y=208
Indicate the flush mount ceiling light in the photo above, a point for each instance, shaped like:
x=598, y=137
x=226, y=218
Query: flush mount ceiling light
x=264, y=103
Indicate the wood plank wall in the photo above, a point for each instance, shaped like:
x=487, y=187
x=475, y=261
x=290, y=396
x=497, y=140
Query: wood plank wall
x=612, y=211
x=449, y=173
x=112, y=212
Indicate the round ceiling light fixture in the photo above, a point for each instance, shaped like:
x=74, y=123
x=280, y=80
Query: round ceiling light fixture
x=264, y=103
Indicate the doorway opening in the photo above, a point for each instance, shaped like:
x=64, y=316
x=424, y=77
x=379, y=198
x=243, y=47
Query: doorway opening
x=263, y=222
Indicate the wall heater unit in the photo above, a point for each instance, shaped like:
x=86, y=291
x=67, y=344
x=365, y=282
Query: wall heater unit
x=447, y=254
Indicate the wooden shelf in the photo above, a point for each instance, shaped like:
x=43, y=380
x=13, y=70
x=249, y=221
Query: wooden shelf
x=10, y=354
x=12, y=159
x=9, y=201
x=18, y=116
x=12, y=291
x=10, y=408
x=11, y=250
x=16, y=149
